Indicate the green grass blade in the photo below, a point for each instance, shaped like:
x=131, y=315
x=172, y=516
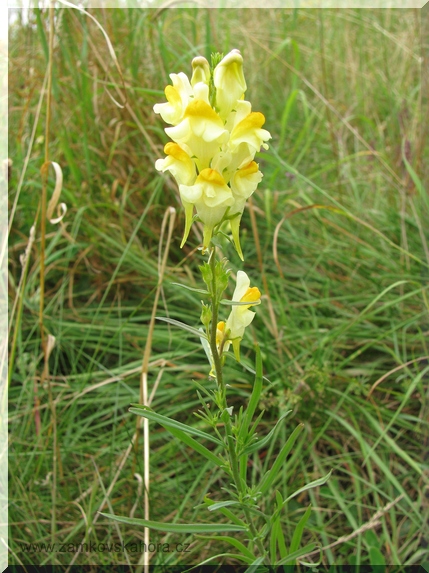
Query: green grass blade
x=299, y=530
x=416, y=179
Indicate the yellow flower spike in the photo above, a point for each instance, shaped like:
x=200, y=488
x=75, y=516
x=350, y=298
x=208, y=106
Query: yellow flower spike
x=201, y=72
x=229, y=82
x=215, y=138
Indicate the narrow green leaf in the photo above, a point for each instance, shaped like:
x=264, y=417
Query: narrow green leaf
x=219, y=504
x=416, y=179
x=207, y=349
x=315, y=483
x=249, y=369
x=292, y=557
x=254, y=398
x=226, y=512
x=385, y=469
x=235, y=543
x=277, y=540
x=146, y=412
x=376, y=557
x=197, y=290
x=284, y=118
x=182, y=436
x=197, y=447
x=255, y=424
x=42, y=34
x=183, y=326
x=210, y=559
x=281, y=541
x=271, y=475
x=383, y=432
x=265, y=440
x=273, y=540
x=177, y=527
x=254, y=566
x=297, y=535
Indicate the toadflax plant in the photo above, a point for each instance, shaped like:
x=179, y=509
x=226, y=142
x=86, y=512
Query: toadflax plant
x=215, y=136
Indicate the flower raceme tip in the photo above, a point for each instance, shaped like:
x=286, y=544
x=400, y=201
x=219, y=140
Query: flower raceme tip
x=215, y=136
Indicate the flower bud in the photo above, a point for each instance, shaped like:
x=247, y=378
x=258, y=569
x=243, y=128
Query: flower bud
x=201, y=71
x=206, y=314
x=229, y=82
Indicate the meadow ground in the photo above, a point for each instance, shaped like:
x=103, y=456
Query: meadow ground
x=335, y=236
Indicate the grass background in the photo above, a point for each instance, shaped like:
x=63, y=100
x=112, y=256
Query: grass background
x=335, y=236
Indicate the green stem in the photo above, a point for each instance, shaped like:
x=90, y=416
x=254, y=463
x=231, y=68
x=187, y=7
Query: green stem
x=222, y=390
x=215, y=312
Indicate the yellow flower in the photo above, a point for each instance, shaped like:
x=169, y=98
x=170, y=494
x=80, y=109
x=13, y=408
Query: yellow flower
x=243, y=184
x=247, y=137
x=183, y=170
x=211, y=197
x=201, y=132
x=229, y=82
x=220, y=333
x=241, y=316
x=178, y=96
x=178, y=163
